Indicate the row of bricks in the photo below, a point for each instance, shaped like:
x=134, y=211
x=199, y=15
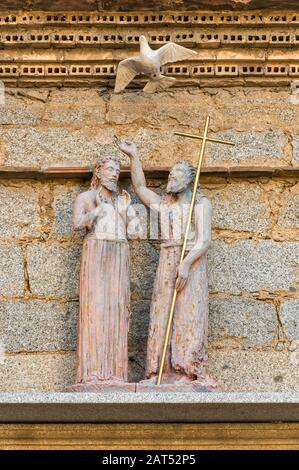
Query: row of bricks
x=150, y=18
x=183, y=37
x=109, y=70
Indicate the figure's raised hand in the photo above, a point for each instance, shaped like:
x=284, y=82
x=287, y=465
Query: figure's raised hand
x=129, y=148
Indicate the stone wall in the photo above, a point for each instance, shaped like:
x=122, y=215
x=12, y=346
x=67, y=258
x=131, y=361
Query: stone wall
x=74, y=126
x=253, y=260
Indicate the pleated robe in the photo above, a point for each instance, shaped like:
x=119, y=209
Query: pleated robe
x=187, y=350
x=102, y=353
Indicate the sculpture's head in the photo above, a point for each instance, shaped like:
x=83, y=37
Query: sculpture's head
x=180, y=176
x=106, y=173
x=142, y=40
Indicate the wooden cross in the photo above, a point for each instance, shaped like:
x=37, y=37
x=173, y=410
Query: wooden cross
x=204, y=139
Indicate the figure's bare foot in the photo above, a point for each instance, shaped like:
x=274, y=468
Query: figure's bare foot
x=207, y=380
x=182, y=379
x=150, y=381
x=103, y=386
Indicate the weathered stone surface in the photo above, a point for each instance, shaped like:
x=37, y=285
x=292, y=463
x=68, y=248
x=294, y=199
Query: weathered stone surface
x=295, y=142
x=250, y=98
x=250, y=148
x=138, y=333
x=289, y=315
x=3, y=153
x=247, y=265
x=74, y=116
x=18, y=211
x=54, y=146
x=37, y=372
x=70, y=132
x=78, y=97
x=54, y=270
x=242, y=109
x=160, y=110
x=289, y=214
x=19, y=110
x=239, y=206
x=237, y=370
x=254, y=109
x=158, y=148
x=144, y=260
x=11, y=268
x=41, y=147
x=262, y=371
x=139, y=321
x=240, y=322
x=75, y=107
x=258, y=119
x=37, y=325
x=64, y=197
x=35, y=94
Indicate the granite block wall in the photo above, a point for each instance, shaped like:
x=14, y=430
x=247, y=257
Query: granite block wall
x=253, y=260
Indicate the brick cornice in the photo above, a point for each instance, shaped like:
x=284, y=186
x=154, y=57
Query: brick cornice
x=73, y=48
x=132, y=5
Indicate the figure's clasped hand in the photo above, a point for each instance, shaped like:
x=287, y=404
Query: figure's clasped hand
x=126, y=147
x=99, y=211
x=182, y=274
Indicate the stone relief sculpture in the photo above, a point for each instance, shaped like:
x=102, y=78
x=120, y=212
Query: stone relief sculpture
x=106, y=213
x=149, y=62
x=186, y=360
x=178, y=332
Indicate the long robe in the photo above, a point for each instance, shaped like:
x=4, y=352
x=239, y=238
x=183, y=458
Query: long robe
x=187, y=350
x=102, y=353
x=104, y=311
x=188, y=341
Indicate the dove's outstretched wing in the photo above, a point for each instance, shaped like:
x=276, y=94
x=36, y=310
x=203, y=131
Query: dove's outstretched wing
x=172, y=52
x=127, y=69
x=158, y=85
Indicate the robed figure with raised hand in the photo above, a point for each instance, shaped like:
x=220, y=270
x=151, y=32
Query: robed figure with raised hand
x=186, y=359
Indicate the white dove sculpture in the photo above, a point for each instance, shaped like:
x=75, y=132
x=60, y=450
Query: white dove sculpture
x=149, y=62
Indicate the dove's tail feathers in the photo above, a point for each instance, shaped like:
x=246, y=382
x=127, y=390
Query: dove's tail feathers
x=159, y=84
x=126, y=71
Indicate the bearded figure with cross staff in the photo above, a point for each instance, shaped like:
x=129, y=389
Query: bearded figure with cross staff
x=178, y=331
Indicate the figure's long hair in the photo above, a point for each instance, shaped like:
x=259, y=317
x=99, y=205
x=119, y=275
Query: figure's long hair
x=95, y=180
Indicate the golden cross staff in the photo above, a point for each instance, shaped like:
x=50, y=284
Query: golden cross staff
x=204, y=139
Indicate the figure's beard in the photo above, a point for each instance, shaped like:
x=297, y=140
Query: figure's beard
x=110, y=185
x=175, y=187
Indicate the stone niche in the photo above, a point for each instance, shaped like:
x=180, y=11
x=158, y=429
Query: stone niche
x=60, y=111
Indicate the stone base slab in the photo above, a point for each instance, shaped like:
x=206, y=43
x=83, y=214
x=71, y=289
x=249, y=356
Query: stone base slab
x=102, y=387
x=148, y=386
x=145, y=386
x=153, y=407
x=171, y=388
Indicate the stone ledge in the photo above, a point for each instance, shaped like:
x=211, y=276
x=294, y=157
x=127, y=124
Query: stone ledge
x=160, y=172
x=148, y=407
